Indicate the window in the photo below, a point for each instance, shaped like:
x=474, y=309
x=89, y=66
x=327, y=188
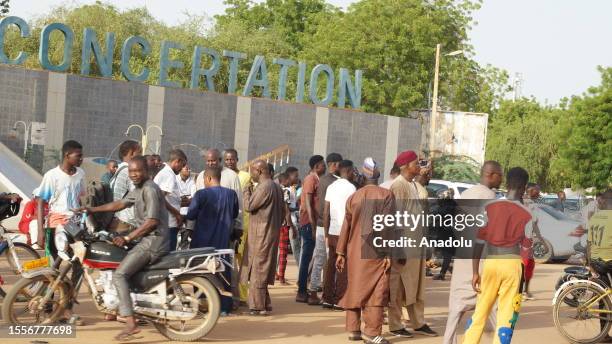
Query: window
x=557, y=215
x=433, y=189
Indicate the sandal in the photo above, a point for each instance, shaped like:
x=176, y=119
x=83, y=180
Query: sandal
x=256, y=313
x=125, y=336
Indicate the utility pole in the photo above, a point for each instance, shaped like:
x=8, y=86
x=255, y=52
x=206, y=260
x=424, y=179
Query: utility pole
x=434, y=105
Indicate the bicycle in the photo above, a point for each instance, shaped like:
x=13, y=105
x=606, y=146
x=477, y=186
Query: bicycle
x=15, y=253
x=588, y=318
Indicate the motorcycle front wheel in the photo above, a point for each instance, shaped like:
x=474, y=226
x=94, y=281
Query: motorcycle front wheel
x=206, y=318
x=11, y=265
x=22, y=303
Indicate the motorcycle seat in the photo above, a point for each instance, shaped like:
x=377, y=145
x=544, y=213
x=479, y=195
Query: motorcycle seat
x=177, y=259
x=577, y=270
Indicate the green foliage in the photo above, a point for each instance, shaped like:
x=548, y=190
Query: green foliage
x=456, y=168
x=569, y=145
x=520, y=134
x=585, y=155
x=394, y=42
x=4, y=7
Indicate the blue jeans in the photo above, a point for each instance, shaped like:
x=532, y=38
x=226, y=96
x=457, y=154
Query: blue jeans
x=308, y=245
x=296, y=247
x=226, y=301
x=172, y=234
x=318, y=260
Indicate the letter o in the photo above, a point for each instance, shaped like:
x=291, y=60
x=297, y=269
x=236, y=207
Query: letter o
x=314, y=80
x=43, y=53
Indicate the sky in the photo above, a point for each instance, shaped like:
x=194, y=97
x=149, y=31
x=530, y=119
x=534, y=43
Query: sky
x=555, y=45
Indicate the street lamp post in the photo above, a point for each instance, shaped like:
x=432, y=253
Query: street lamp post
x=145, y=134
x=157, y=143
x=434, y=102
x=26, y=135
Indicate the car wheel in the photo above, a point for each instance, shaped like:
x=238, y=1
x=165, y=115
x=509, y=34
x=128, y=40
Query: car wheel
x=542, y=251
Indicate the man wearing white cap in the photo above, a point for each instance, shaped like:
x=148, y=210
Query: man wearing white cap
x=367, y=271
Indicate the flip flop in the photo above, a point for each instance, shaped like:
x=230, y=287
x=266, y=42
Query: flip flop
x=126, y=336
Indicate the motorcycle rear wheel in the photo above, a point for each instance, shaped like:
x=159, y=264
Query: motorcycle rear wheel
x=210, y=302
x=21, y=300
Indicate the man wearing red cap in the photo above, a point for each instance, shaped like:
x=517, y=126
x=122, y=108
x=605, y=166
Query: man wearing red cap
x=408, y=275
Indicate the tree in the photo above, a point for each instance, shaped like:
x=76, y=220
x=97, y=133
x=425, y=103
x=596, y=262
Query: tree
x=456, y=168
x=394, y=42
x=521, y=134
x=585, y=157
x=4, y=7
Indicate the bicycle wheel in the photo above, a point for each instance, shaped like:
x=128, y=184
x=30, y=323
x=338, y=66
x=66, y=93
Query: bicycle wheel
x=576, y=321
x=11, y=265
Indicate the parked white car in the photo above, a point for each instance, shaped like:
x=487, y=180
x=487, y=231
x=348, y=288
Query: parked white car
x=436, y=186
x=555, y=228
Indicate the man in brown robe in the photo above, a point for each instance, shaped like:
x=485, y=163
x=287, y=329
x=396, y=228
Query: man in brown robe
x=407, y=277
x=368, y=278
x=265, y=204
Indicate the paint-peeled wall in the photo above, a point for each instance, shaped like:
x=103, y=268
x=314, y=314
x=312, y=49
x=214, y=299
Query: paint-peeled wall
x=458, y=133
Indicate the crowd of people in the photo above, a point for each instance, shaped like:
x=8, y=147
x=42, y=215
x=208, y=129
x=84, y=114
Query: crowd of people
x=264, y=214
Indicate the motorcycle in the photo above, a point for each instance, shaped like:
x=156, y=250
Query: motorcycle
x=14, y=253
x=179, y=294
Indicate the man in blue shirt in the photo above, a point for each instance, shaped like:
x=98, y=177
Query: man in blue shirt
x=214, y=209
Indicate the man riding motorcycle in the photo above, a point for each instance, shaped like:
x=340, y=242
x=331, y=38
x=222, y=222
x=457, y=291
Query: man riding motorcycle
x=152, y=232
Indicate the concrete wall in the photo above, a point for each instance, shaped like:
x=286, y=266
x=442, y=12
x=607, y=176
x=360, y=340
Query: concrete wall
x=357, y=135
x=97, y=113
x=203, y=119
x=23, y=97
x=276, y=123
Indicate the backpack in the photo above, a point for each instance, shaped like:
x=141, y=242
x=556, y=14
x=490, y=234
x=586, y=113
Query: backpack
x=99, y=193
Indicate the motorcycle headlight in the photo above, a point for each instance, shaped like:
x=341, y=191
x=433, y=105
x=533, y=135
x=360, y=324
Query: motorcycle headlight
x=61, y=241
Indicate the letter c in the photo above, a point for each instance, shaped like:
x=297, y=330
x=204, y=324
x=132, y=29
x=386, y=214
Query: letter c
x=126, y=52
x=24, y=30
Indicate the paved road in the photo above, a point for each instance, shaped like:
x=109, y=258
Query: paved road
x=298, y=323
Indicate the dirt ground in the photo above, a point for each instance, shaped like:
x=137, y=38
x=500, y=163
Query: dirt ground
x=299, y=323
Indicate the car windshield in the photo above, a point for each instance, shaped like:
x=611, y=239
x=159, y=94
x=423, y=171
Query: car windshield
x=433, y=189
x=572, y=204
x=557, y=215
x=461, y=189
